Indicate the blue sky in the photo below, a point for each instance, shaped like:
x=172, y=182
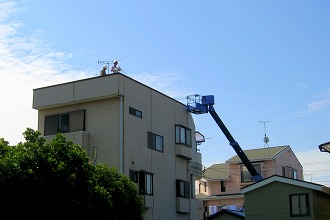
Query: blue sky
x=262, y=60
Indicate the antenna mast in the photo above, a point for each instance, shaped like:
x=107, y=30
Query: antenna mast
x=105, y=62
x=266, y=139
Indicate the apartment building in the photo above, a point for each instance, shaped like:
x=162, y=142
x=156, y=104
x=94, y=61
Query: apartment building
x=220, y=187
x=144, y=133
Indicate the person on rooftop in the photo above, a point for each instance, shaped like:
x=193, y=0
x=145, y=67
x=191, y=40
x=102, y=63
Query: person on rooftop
x=103, y=71
x=115, y=68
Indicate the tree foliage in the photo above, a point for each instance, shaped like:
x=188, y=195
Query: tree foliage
x=56, y=179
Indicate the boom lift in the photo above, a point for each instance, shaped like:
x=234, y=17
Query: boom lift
x=203, y=104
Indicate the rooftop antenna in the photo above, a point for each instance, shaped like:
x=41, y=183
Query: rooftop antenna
x=106, y=63
x=266, y=139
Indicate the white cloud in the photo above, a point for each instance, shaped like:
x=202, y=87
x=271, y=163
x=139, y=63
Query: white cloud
x=25, y=63
x=318, y=105
x=29, y=62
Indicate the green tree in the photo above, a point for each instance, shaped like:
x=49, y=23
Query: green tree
x=57, y=180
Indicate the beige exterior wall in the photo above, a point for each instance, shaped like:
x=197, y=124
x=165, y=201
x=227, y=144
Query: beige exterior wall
x=287, y=158
x=101, y=124
x=122, y=138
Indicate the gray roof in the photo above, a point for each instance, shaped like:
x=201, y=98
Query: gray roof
x=217, y=172
x=267, y=153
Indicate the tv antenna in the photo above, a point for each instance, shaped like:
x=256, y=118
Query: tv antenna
x=106, y=63
x=266, y=139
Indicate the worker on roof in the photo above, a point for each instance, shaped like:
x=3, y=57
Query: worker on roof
x=103, y=71
x=115, y=68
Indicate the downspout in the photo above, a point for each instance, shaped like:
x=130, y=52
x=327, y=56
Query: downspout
x=121, y=135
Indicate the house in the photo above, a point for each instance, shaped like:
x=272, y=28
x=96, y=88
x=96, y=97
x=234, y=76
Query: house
x=220, y=187
x=142, y=132
x=279, y=197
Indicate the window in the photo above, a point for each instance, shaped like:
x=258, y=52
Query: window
x=135, y=112
x=223, y=186
x=182, y=135
x=245, y=174
x=205, y=184
x=145, y=183
x=299, y=205
x=65, y=122
x=294, y=174
x=155, y=142
x=182, y=188
x=289, y=172
x=134, y=176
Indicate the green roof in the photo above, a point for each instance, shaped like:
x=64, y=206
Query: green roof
x=217, y=172
x=266, y=153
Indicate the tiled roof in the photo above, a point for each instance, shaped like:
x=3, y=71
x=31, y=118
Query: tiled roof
x=266, y=153
x=217, y=172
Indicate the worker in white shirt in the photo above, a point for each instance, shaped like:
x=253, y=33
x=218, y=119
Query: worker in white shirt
x=115, y=68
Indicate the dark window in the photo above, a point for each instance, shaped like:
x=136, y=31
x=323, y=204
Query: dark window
x=182, y=188
x=134, y=176
x=51, y=124
x=245, y=174
x=223, y=186
x=289, y=172
x=182, y=135
x=299, y=205
x=135, y=112
x=65, y=122
x=205, y=185
x=155, y=142
x=145, y=183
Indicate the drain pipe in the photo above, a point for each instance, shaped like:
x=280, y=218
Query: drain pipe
x=121, y=135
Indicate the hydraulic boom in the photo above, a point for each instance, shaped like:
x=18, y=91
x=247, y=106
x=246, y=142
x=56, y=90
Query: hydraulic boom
x=203, y=104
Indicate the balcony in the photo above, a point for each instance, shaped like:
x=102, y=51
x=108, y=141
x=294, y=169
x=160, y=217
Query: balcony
x=183, y=151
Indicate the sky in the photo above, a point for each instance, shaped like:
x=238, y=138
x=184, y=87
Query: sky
x=265, y=62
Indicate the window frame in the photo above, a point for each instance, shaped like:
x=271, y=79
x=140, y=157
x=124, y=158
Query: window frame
x=222, y=186
x=183, y=135
x=302, y=200
x=289, y=172
x=245, y=174
x=64, y=122
x=134, y=175
x=155, y=141
x=146, y=183
x=135, y=112
x=182, y=188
